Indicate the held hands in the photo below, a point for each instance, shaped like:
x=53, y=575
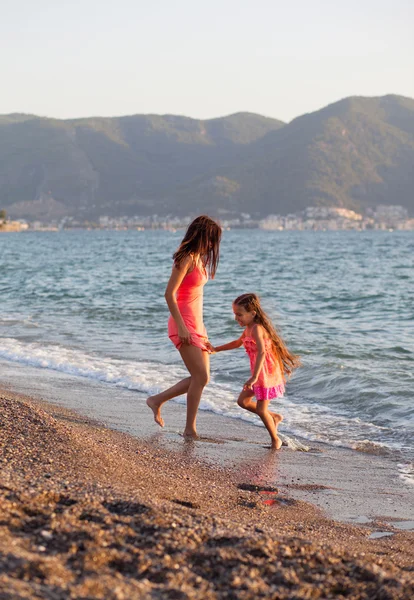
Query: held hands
x=209, y=347
x=185, y=337
x=249, y=383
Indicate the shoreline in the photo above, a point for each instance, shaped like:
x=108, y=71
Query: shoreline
x=93, y=512
x=348, y=485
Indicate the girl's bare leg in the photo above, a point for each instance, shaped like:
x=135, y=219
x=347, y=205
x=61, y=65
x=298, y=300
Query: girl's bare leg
x=198, y=364
x=155, y=402
x=245, y=400
x=263, y=412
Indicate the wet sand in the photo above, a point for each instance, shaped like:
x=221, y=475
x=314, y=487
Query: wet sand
x=88, y=512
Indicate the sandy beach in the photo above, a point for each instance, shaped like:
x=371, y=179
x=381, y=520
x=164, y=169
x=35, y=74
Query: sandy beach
x=88, y=512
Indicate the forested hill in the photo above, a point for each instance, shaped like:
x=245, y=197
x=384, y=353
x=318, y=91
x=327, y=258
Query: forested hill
x=356, y=153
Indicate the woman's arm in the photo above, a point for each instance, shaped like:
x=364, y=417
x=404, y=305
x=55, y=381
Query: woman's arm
x=230, y=346
x=257, y=335
x=177, y=275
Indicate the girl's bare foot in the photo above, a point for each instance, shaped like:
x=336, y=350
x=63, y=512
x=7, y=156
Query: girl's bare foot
x=276, y=444
x=277, y=418
x=156, y=409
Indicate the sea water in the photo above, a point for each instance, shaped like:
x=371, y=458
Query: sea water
x=91, y=304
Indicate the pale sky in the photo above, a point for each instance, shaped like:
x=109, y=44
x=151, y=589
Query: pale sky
x=80, y=58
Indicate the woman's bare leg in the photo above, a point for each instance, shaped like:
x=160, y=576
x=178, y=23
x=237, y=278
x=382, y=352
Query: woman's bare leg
x=245, y=400
x=198, y=365
x=155, y=402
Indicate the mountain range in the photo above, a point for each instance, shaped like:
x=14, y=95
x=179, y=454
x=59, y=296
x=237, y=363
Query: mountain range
x=356, y=153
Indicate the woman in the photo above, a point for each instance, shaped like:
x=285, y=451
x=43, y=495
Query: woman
x=195, y=260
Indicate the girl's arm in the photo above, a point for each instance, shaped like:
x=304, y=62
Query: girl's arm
x=177, y=275
x=257, y=335
x=230, y=345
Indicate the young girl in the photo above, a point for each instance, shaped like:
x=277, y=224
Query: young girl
x=270, y=361
x=196, y=258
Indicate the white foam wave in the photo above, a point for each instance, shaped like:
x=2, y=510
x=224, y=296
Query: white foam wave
x=142, y=376
x=310, y=421
x=139, y=376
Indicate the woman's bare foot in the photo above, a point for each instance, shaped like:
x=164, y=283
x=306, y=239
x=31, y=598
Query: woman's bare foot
x=190, y=434
x=156, y=409
x=276, y=444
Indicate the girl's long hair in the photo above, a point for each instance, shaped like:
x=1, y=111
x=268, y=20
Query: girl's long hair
x=202, y=238
x=287, y=361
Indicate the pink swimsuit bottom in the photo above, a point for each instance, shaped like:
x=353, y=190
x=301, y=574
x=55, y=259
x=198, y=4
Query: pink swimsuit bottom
x=263, y=393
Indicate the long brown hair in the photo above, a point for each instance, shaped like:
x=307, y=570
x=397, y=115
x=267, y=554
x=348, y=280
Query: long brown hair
x=287, y=361
x=202, y=238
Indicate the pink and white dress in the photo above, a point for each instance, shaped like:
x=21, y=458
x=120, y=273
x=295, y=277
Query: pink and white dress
x=270, y=383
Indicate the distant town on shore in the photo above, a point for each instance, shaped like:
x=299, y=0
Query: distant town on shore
x=313, y=218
